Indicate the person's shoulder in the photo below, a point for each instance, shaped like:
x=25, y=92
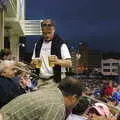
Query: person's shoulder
x=4, y=80
x=41, y=101
x=1, y=78
x=52, y=93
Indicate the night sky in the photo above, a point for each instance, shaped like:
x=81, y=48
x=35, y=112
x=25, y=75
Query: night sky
x=95, y=21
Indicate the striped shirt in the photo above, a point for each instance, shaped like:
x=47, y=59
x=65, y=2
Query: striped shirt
x=44, y=104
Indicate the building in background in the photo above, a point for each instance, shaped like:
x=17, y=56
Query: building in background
x=110, y=63
x=92, y=61
x=13, y=25
x=110, y=67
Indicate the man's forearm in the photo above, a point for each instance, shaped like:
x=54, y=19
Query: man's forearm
x=64, y=63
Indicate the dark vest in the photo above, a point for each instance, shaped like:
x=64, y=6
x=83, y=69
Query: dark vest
x=55, y=50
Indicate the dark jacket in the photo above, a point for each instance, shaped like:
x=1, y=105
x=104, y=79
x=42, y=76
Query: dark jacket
x=55, y=50
x=8, y=90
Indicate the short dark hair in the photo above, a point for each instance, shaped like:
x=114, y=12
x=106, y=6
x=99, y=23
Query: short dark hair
x=50, y=20
x=70, y=86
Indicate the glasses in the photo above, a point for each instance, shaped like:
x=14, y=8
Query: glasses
x=47, y=25
x=46, y=33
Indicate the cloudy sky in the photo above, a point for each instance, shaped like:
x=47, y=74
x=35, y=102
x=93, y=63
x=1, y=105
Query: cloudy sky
x=95, y=21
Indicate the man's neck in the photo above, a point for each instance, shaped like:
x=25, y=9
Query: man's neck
x=47, y=40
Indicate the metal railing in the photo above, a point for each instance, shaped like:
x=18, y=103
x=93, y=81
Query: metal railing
x=32, y=27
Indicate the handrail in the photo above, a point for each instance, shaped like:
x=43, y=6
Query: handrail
x=32, y=27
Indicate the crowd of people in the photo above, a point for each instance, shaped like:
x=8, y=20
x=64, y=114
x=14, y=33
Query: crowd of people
x=47, y=93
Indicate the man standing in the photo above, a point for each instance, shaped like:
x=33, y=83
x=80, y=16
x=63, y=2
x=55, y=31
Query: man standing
x=51, y=47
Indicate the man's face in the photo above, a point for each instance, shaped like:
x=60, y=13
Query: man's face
x=71, y=101
x=9, y=72
x=24, y=80
x=48, y=30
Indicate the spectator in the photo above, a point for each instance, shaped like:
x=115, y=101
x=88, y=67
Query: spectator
x=8, y=88
x=99, y=111
x=43, y=104
x=116, y=95
x=5, y=54
x=108, y=90
x=72, y=91
x=46, y=103
x=53, y=48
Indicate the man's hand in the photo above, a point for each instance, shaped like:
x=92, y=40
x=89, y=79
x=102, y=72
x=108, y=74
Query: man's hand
x=53, y=59
x=36, y=63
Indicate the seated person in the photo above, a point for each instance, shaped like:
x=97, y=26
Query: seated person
x=8, y=88
x=108, y=90
x=5, y=54
x=116, y=95
x=72, y=91
x=44, y=104
x=99, y=111
x=97, y=93
x=79, y=109
x=24, y=78
x=26, y=83
x=114, y=106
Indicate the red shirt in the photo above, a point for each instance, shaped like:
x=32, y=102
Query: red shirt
x=108, y=91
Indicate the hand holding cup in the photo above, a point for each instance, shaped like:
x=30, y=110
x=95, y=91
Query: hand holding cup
x=36, y=62
x=52, y=60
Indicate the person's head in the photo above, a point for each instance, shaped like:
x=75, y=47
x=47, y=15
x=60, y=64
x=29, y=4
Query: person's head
x=114, y=101
x=72, y=91
x=110, y=83
x=118, y=88
x=7, y=69
x=5, y=54
x=98, y=109
x=24, y=80
x=48, y=29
